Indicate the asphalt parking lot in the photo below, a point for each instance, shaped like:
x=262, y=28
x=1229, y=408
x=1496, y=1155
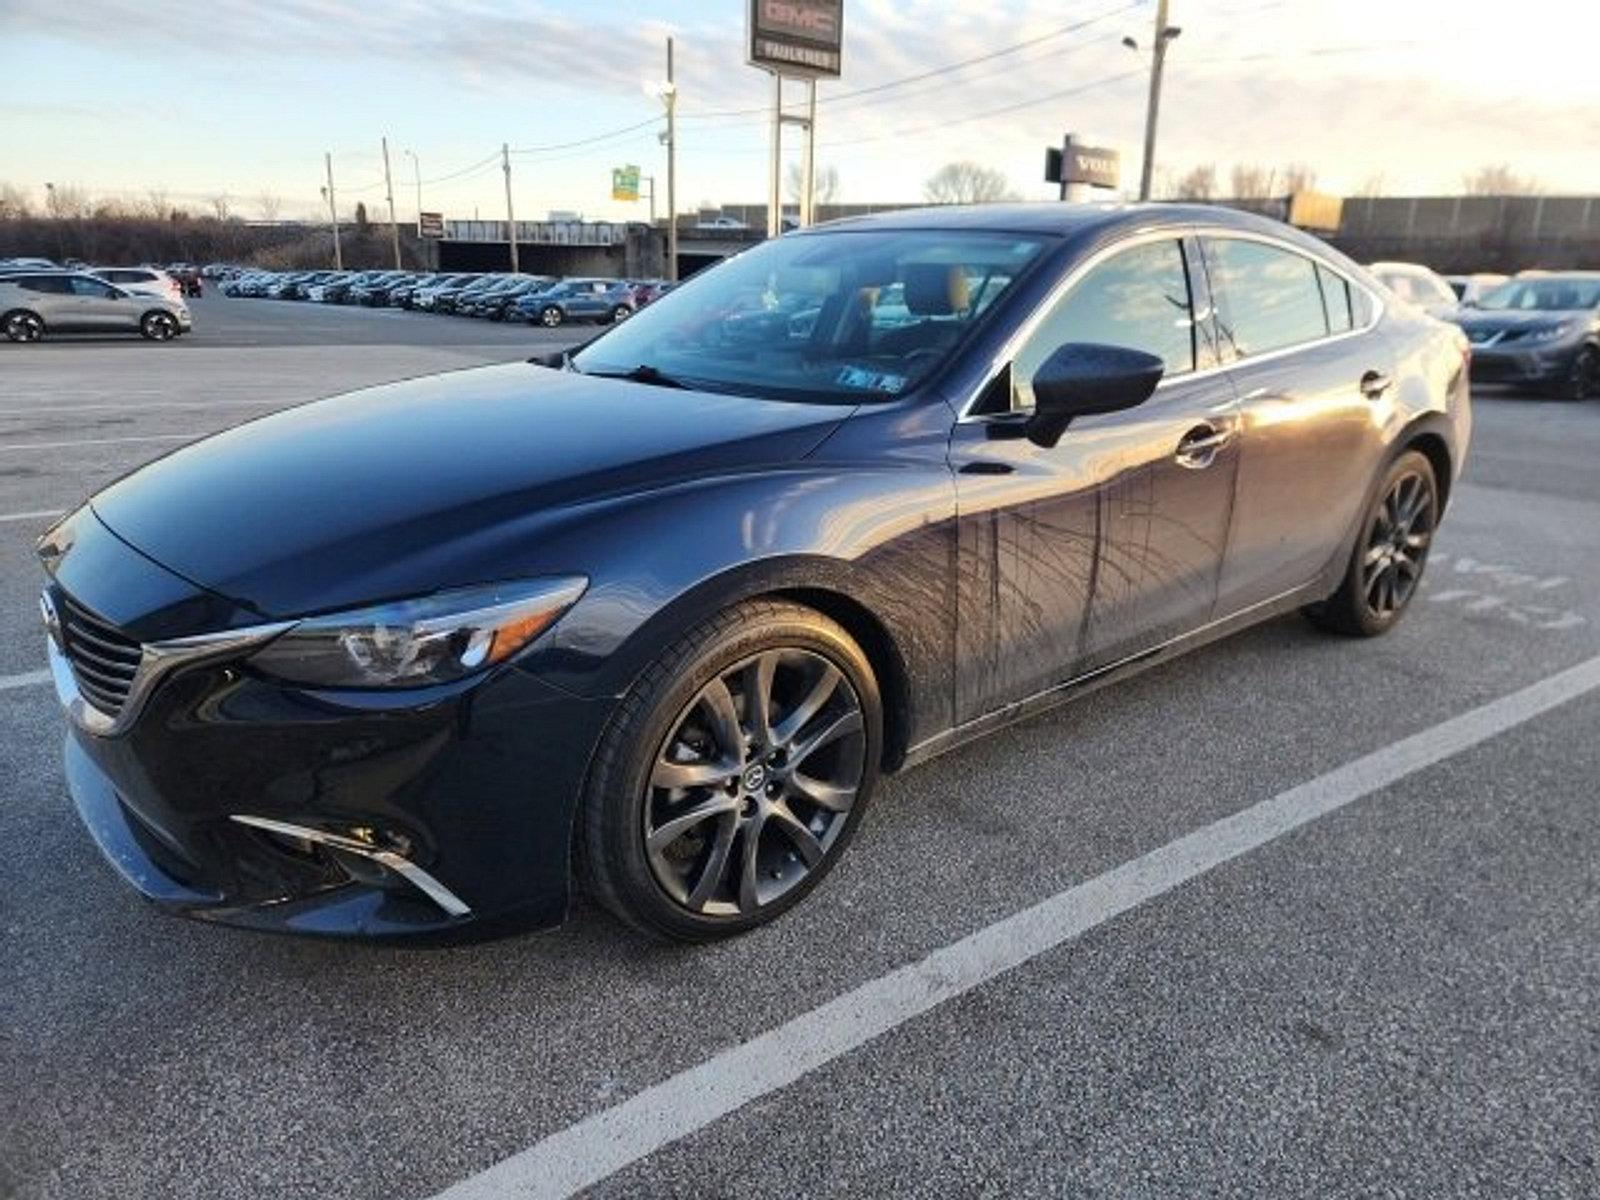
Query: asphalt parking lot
x=1400, y=997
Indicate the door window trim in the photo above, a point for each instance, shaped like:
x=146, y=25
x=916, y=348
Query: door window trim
x=1183, y=233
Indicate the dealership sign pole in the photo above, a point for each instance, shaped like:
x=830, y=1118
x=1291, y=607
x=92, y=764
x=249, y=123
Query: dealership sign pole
x=795, y=39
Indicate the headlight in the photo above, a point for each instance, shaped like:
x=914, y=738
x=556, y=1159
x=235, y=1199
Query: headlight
x=1554, y=333
x=411, y=643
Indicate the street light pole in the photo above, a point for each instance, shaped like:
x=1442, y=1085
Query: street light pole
x=1158, y=58
x=416, y=165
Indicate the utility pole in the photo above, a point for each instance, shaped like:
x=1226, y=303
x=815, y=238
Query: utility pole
x=388, y=187
x=333, y=213
x=1158, y=57
x=775, y=168
x=511, y=217
x=672, y=170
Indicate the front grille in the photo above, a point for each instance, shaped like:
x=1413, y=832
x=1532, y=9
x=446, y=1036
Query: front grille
x=103, y=658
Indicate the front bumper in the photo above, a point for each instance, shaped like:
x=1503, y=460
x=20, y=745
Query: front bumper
x=1549, y=364
x=239, y=800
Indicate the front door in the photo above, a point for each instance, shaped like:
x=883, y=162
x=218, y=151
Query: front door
x=100, y=306
x=1110, y=542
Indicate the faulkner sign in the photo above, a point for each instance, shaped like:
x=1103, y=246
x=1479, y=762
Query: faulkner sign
x=801, y=38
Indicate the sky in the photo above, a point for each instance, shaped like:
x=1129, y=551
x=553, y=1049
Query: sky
x=241, y=98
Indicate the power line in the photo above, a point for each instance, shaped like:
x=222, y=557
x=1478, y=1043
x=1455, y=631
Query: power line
x=838, y=97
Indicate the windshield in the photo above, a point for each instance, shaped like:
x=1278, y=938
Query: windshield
x=1548, y=293
x=844, y=315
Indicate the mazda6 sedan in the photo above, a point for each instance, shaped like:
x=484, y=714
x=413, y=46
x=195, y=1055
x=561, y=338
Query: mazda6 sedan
x=655, y=615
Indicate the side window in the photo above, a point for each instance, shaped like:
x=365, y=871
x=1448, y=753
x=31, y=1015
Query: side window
x=1335, y=300
x=1268, y=296
x=82, y=285
x=1362, y=308
x=49, y=285
x=1138, y=298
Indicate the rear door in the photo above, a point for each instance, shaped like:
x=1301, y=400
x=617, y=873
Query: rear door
x=1313, y=378
x=104, y=307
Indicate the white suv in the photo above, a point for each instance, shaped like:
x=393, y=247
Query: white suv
x=145, y=281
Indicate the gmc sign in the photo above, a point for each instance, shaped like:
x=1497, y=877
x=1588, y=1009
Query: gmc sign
x=801, y=38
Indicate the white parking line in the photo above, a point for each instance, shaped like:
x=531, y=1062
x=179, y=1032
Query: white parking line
x=26, y=679
x=585, y=1153
x=152, y=437
x=31, y=516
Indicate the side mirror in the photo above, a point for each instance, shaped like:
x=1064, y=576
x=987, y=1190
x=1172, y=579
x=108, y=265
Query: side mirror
x=1082, y=378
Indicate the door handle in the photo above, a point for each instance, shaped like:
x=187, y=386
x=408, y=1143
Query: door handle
x=1199, y=446
x=1374, y=384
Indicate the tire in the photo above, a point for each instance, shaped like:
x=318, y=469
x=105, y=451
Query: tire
x=763, y=840
x=550, y=316
x=158, y=326
x=1583, y=380
x=22, y=326
x=1390, y=556
x=620, y=313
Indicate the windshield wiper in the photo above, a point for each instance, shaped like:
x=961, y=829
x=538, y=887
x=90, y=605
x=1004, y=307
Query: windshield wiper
x=643, y=373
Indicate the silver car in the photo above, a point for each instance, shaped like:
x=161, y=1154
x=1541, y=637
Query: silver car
x=35, y=303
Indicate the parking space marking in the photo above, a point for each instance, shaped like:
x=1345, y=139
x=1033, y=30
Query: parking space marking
x=151, y=437
x=598, y=1146
x=26, y=679
x=37, y=515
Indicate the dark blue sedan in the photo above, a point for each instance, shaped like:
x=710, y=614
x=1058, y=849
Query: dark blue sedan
x=670, y=605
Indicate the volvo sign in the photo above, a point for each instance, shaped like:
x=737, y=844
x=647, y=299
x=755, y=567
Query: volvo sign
x=801, y=39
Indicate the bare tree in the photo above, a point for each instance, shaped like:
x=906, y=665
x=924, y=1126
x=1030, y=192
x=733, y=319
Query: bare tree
x=14, y=204
x=221, y=206
x=1374, y=185
x=1499, y=180
x=66, y=200
x=1297, y=177
x=156, y=205
x=1197, y=183
x=270, y=204
x=824, y=183
x=1250, y=182
x=968, y=183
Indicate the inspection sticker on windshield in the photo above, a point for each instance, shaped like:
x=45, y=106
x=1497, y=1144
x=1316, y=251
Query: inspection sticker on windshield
x=868, y=380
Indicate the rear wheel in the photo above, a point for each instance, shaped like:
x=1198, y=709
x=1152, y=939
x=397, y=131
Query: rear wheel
x=158, y=326
x=733, y=775
x=550, y=316
x=23, y=327
x=1386, y=568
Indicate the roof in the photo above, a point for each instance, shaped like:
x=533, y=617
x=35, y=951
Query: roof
x=1057, y=218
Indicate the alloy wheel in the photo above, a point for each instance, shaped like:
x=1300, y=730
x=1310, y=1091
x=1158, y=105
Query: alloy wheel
x=1397, y=545
x=24, y=327
x=1584, y=381
x=158, y=327
x=551, y=317
x=754, y=783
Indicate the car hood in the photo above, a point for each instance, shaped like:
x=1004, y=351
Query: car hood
x=435, y=482
x=1488, y=320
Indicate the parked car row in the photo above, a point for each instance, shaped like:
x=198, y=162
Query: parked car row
x=496, y=296
x=1537, y=329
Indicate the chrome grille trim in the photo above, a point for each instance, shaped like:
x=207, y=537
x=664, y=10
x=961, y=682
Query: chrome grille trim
x=104, y=693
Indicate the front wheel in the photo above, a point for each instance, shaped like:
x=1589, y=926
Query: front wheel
x=1386, y=567
x=1583, y=380
x=23, y=327
x=159, y=326
x=734, y=773
x=550, y=316
x=620, y=313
